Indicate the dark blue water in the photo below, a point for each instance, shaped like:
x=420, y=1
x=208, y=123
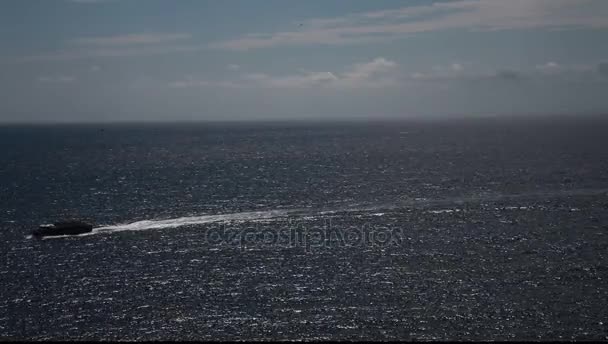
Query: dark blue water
x=463, y=229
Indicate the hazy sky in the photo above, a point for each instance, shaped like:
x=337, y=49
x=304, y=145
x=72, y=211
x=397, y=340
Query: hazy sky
x=100, y=60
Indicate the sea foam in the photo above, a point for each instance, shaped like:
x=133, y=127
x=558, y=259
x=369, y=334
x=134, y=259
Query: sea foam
x=192, y=220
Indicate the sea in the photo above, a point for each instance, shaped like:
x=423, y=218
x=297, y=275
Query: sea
x=454, y=229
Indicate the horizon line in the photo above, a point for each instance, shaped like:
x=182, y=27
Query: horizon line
x=430, y=118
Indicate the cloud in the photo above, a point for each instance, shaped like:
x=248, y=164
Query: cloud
x=56, y=79
x=419, y=76
x=132, y=39
x=456, y=67
x=253, y=80
x=546, y=72
x=192, y=82
x=453, y=68
x=366, y=74
x=363, y=71
x=477, y=15
x=381, y=72
x=233, y=67
x=549, y=67
x=118, y=46
x=189, y=83
x=292, y=81
x=573, y=72
x=455, y=72
x=374, y=73
x=77, y=54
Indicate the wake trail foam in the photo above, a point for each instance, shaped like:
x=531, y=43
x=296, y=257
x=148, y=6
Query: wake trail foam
x=193, y=220
x=324, y=211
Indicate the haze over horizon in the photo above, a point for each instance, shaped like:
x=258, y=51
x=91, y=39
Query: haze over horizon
x=160, y=60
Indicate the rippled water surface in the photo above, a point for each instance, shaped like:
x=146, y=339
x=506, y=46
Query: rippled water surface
x=477, y=229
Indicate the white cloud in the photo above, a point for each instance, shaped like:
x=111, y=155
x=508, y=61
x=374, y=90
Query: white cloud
x=291, y=81
x=461, y=14
x=374, y=73
x=118, y=45
x=419, y=76
x=572, y=72
x=95, y=68
x=363, y=71
x=451, y=71
x=367, y=74
x=56, y=79
x=549, y=67
x=77, y=54
x=233, y=67
x=454, y=67
x=457, y=67
x=381, y=72
x=189, y=83
x=131, y=39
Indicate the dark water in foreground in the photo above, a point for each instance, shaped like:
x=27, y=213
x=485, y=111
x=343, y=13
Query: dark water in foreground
x=479, y=229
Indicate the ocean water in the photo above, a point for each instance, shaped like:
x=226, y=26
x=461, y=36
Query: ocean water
x=463, y=229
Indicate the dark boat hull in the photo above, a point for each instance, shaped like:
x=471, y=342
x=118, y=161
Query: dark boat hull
x=63, y=229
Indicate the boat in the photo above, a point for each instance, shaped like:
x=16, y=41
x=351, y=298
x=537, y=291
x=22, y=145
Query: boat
x=63, y=228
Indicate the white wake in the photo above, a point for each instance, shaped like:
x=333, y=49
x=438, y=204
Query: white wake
x=193, y=220
x=180, y=222
x=345, y=208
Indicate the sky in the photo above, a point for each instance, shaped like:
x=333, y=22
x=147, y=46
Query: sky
x=175, y=60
